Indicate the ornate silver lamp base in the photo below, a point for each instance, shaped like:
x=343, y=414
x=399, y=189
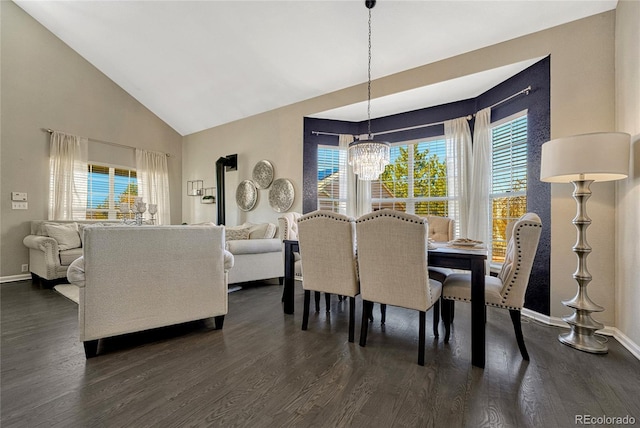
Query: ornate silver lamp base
x=582, y=325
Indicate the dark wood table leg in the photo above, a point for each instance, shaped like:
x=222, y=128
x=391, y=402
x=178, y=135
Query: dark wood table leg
x=477, y=313
x=289, y=275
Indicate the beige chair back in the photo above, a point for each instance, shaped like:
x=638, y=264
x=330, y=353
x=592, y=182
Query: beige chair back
x=328, y=252
x=441, y=229
x=520, y=253
x=392, y=259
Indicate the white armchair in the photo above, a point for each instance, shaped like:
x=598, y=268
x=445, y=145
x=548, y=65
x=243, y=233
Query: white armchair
x=508, y=289
x=393, y=268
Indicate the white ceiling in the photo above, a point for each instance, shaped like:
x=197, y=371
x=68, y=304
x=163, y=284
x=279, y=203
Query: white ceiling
x=200, y=64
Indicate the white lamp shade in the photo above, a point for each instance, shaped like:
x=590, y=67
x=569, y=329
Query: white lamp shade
x=601, y=156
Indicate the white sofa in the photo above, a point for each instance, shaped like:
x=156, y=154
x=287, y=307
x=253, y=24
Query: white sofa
x=257, y=252
x=53, y=245
x=138, y=278
x=288, y=227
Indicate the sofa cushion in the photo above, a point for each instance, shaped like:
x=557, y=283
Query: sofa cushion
x=254, y=246
x=68, y=256
x=66, y=234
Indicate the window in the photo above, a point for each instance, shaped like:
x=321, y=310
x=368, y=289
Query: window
x=107, y=188
x=331, y=192
x=509, y=180
x=415, y=181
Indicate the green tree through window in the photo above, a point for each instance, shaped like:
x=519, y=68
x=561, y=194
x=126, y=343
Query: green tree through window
x=415, y=181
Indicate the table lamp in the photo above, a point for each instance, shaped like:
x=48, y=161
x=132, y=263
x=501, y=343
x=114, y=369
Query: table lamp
x=581, y=160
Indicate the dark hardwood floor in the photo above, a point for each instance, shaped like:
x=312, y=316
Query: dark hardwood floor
x=261, y=370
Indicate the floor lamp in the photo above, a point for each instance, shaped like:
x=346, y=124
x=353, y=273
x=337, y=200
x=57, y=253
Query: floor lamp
x=581, y=160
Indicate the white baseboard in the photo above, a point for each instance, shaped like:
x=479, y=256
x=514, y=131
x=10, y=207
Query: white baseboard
x=624, y=340
x=14, y=278
x=627, y=342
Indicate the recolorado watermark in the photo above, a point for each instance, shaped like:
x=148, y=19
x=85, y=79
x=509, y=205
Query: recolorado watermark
x=604, y=420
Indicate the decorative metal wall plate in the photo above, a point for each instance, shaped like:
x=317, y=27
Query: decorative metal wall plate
x=281, y=195
x=263, y=174
x=246, y=195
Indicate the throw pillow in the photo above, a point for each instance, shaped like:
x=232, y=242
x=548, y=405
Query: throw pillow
x=233, y=234
x=66, y=234
x=262, y=231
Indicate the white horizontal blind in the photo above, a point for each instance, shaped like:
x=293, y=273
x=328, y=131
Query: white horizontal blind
x=509, y=178
x=331, y=161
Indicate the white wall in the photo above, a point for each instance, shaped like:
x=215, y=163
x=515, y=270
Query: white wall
x=582, y=100
x=628, y=120
x=45, y=84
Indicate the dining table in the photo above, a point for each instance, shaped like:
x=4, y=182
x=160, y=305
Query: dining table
x=468, y=258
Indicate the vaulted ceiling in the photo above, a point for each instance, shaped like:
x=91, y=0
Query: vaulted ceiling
x=200, y=64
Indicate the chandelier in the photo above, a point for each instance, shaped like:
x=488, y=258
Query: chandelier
x=368, y=158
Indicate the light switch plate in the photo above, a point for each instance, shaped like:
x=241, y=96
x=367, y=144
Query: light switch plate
x=19, y=196
x=19, y=205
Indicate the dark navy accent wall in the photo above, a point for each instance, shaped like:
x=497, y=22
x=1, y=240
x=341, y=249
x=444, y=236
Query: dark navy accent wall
x=539, y=124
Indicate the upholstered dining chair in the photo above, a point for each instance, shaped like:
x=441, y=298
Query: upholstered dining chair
x=288, y=230
x=328, y=254
x=508, y=289
x=393, y=270
x=441, y=229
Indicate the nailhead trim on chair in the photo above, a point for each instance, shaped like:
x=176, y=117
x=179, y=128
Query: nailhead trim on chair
x=390, y=213
x=326, y=214
x=286, y=228
x=518, y=265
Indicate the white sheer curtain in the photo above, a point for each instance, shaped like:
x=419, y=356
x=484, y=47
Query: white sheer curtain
x=479, y=203
x=68, y=177
x=153, y=182
x=458, y=141
x=357, y=192
x=347, y=177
